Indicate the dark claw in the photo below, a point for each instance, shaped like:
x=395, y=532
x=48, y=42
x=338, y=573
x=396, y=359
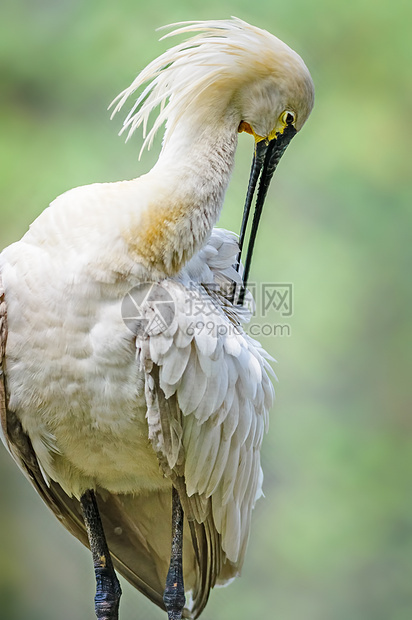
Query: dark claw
x=108, y=593
x=174, y=594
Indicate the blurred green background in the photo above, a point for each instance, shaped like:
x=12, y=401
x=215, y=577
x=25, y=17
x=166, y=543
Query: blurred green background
x=333, y=538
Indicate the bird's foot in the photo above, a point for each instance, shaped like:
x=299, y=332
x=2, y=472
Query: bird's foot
x=174, y=594
x=108, y=592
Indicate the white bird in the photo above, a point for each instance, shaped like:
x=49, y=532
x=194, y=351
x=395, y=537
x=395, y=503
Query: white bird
x=116, y=395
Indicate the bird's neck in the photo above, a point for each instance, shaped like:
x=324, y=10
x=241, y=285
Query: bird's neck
x=188, y=187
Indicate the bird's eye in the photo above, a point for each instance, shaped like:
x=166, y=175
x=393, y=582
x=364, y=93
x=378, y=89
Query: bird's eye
x=288, y=118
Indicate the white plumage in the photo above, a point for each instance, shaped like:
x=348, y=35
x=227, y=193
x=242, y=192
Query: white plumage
x=131, y=414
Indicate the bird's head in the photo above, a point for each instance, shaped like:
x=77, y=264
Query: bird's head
x=276, y=92
x=229, y=70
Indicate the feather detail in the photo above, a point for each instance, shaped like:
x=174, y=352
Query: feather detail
x=232, y=346
x=182, y=338
x=175, y=364
x=231, y=420
x=232, y=530
x=206, y=459
x=218, y=467
x=229, y=477
x=193, y=385
x=159, y=346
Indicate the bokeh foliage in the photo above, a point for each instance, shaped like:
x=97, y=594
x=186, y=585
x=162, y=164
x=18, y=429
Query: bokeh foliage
x=333, y=538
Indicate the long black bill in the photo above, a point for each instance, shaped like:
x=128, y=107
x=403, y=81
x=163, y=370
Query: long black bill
x=265, y=160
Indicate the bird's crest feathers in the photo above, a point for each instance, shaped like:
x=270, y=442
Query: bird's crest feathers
x=224, y=51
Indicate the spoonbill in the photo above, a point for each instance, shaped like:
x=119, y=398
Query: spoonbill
x=130, y=394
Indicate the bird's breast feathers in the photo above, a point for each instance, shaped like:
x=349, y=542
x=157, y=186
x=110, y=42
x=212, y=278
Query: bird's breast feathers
x=79, y=365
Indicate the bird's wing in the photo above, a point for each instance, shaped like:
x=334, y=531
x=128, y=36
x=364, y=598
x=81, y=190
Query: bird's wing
x=208, y=396
x=166, y=425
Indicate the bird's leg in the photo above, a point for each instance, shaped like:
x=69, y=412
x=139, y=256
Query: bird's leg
x=174, y=594
x=108, y=590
